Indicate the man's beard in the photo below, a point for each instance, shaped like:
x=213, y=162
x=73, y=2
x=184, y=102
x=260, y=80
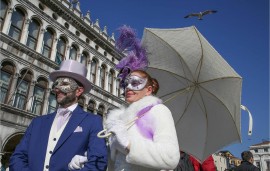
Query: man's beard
x=69, y=99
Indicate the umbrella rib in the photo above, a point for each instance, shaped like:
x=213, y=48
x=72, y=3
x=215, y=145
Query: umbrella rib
x=206, y=115
x=220, y=78
x=173, y=74
x=201, y=59
x=176, y=93
x=187, y=104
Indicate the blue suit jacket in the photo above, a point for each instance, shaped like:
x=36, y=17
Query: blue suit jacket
x=29, y=154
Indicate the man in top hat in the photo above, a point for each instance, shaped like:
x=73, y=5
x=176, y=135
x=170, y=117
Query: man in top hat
x=51, y=140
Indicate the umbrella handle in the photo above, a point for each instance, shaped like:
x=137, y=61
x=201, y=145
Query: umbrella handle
x=103, y=134
x=250, y=125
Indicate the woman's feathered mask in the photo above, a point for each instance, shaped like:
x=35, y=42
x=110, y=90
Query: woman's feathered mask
x=135, y=58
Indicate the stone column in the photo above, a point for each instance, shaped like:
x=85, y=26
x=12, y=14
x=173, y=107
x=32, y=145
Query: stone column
x=54, y=50
x=114, y=86
x=88, y=67
x=115, y=82
x=66, y=56
x=7, y=21
x=12, y=91
x=106, y=79
x=30, y=96
x=46, y=102
x=40, y=40
x=79, y=53
x=98, y=74
x=25, y=31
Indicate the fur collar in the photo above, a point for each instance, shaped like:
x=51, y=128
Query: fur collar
x=129, y=113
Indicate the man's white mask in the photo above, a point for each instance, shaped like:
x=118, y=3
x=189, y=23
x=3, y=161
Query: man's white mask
x=65, y=84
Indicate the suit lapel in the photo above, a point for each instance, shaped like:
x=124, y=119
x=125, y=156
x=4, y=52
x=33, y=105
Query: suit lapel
x=76, y=118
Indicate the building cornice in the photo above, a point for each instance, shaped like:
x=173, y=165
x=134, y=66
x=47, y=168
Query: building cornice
x=25, y=49
x=11, y=109
x=82, y=26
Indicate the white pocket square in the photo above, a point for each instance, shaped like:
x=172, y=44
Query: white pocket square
x=78, y=129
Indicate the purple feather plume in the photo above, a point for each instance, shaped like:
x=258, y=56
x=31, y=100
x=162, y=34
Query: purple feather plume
x=136, y=58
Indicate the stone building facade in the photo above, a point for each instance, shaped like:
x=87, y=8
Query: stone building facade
x=261, y=155
x=35, y=37
x=220, y=161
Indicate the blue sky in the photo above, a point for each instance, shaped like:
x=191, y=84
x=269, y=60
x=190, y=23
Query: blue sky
x=239, y=31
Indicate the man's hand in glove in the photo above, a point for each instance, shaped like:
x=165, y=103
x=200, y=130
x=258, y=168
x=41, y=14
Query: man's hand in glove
x=77, y=162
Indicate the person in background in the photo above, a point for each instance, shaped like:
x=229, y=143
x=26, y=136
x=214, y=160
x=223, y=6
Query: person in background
x=185, y=163
x=189, y=163
x=207, y=165
x=51, y=140
x=247, y=163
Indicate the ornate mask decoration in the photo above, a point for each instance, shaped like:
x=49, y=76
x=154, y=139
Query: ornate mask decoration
x=65, y=84
x=133, y=82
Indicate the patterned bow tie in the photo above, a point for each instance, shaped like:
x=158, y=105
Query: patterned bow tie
x=62, y=111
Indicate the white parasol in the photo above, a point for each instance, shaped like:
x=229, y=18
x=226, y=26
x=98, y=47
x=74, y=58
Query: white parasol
x=199, y=87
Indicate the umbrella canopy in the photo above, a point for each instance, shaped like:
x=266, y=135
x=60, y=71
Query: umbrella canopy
x=199, y=87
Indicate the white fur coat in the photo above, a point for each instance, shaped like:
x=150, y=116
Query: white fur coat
x=161, y=151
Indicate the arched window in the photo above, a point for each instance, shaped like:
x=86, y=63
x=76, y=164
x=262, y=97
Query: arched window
x=110, y=81
x=22, y=88
x=3, y=11
x=102, y=76
x=8, y=147
x=93, y=71
x=33, y=33
x=81, y=101
x=17, y=21
x=52, y=103
x=91, y=106
x=73, y=52
x=39, y=94
x=118, y=91
x=101, y=110
x=7, y=71
x=61, y=48
x=47, y=43
x=84, y=58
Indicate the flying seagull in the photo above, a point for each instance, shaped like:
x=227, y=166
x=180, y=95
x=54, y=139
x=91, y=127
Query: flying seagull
x=200, y=14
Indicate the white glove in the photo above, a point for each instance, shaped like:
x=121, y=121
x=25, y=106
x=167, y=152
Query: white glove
x=119, y=139
x=77, y=162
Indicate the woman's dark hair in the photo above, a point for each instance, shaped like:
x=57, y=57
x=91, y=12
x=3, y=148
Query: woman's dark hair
x=150, y=81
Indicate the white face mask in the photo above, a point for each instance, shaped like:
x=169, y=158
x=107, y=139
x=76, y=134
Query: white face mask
x=133, y=82
x=65, y=84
